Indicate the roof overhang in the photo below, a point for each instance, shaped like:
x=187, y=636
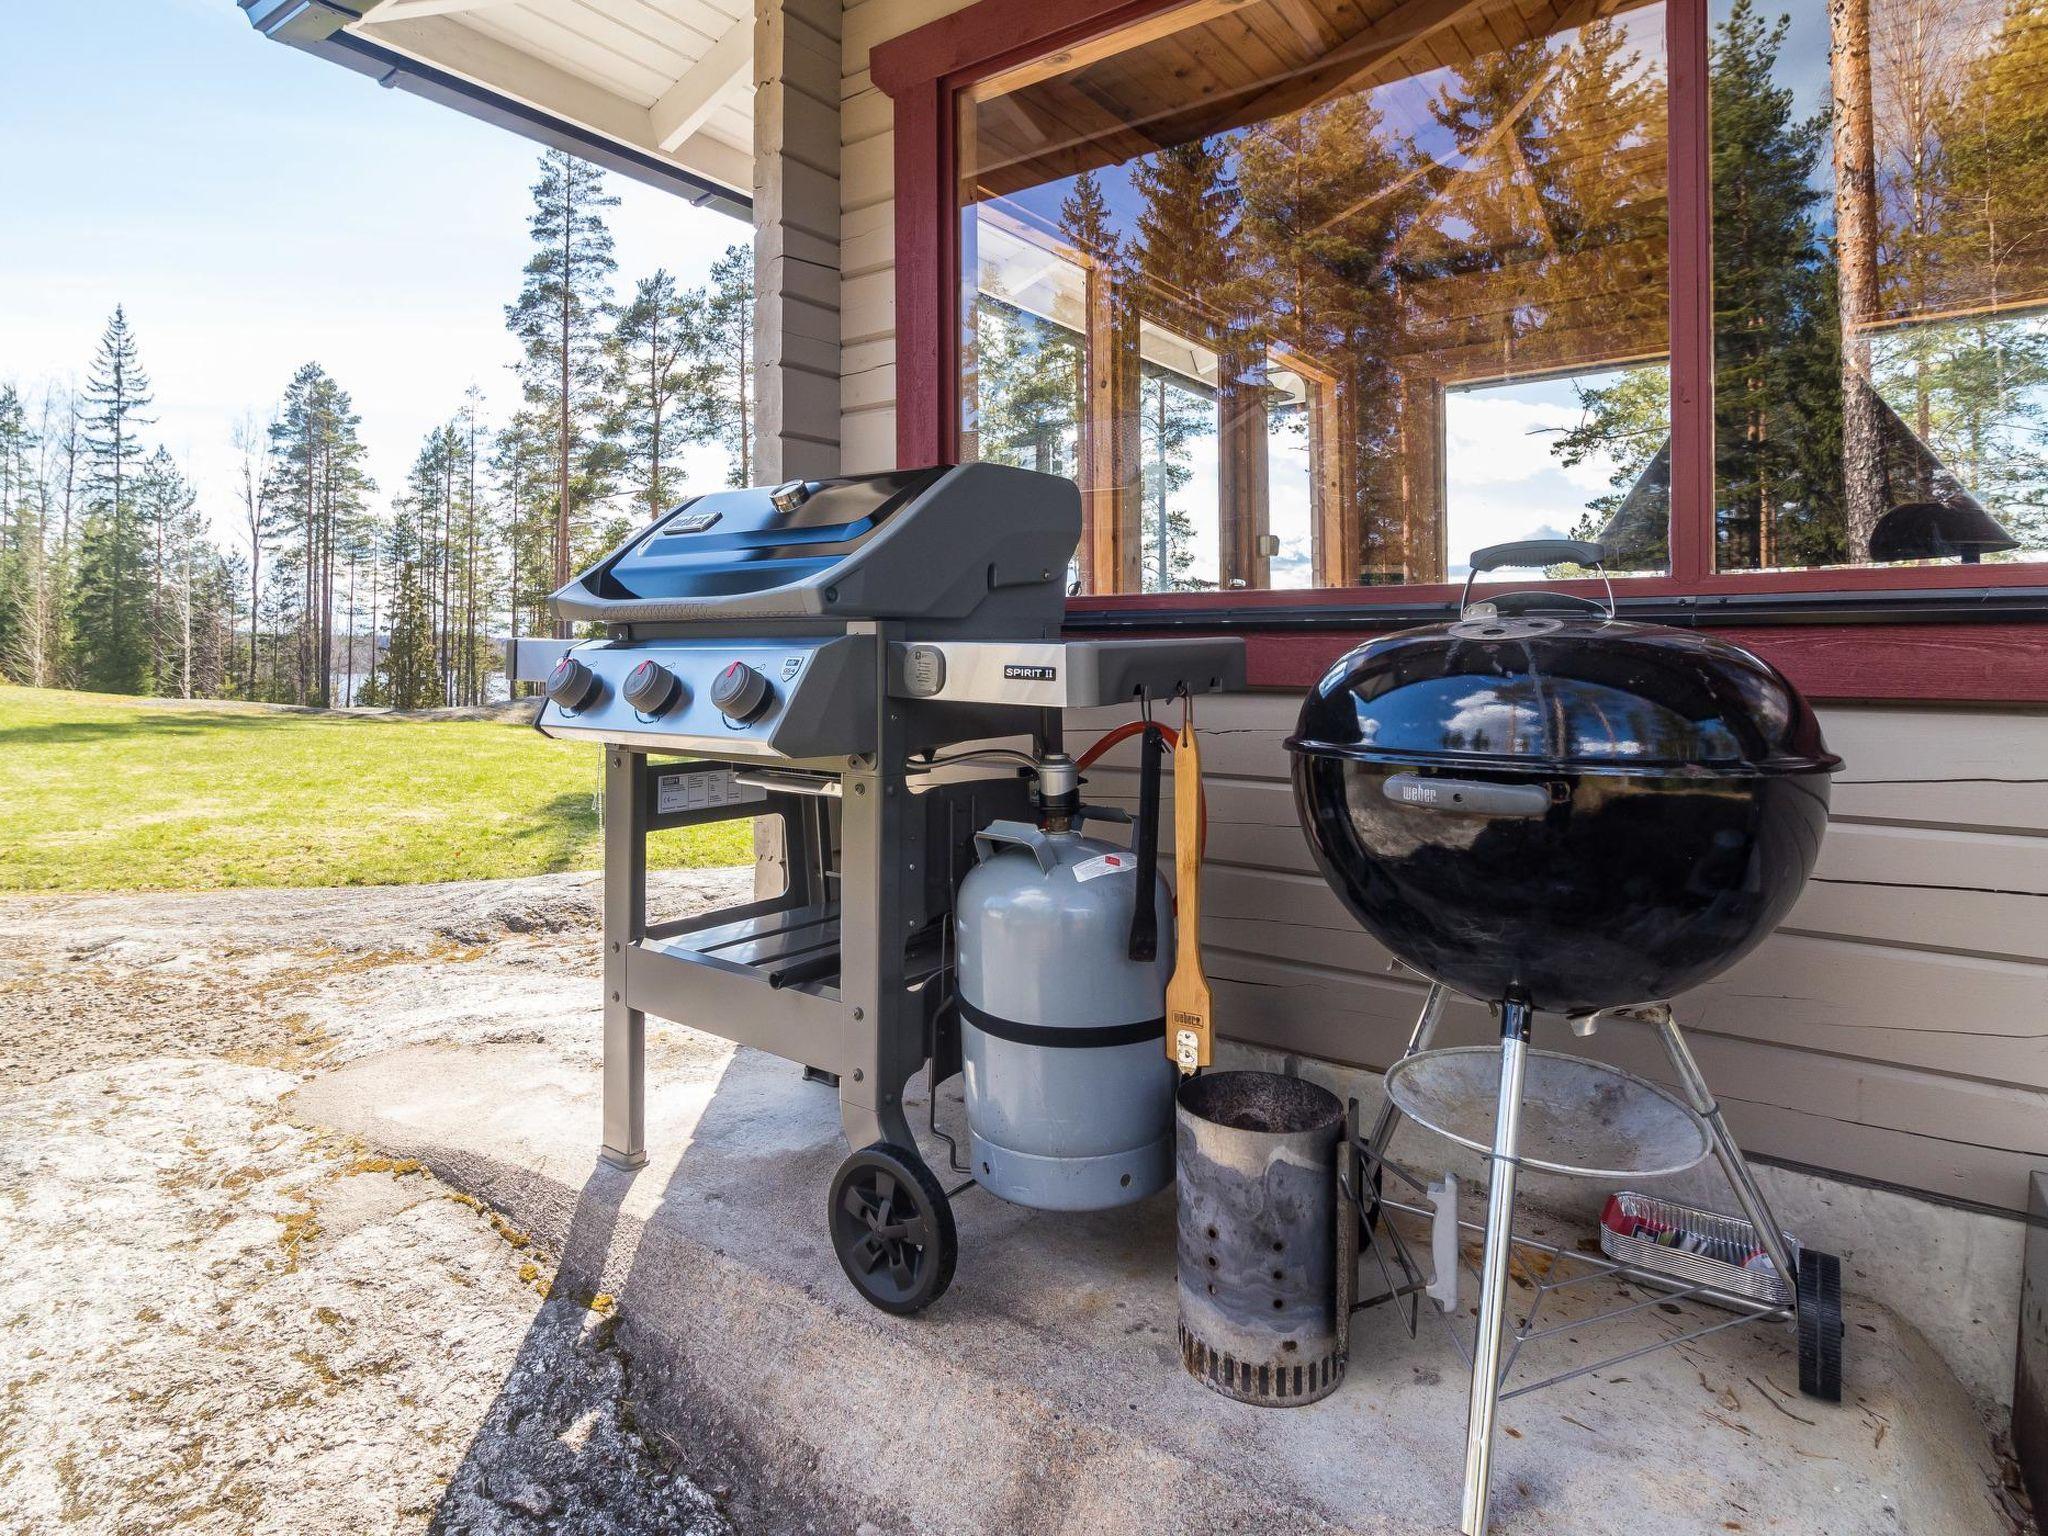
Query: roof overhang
x=673, y=111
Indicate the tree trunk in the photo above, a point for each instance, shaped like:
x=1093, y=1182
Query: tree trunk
x=563, y=413
x=1856, y=238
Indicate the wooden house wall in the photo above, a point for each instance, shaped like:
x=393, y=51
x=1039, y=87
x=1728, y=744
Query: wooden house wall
x=1895, y=1029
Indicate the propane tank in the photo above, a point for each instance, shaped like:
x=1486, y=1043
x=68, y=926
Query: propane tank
x=1069, y=1091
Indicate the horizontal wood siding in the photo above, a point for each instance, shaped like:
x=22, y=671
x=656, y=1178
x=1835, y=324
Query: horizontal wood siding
x=1895, y=1028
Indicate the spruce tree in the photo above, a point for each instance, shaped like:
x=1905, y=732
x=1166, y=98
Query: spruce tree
x=112, y=601
x=1085, y=219
x=1186, y=222
x=167, y=514
x=1029, y=388
x=561, y=318
x=1777, y=330
x=408, y=674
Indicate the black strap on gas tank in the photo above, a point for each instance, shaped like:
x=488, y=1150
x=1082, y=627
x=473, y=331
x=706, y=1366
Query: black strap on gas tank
x=1057, y=1037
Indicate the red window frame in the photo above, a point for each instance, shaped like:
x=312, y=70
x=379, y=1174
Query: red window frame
x=924, y=72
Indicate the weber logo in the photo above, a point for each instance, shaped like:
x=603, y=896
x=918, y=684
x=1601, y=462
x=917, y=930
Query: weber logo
x=1420, y=794
x=1021, y=674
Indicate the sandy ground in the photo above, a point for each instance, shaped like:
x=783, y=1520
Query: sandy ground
x=215, y=1320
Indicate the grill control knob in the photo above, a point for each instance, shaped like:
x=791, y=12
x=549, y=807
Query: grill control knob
x=573, y=685
x=651, y=688
x=740, y=692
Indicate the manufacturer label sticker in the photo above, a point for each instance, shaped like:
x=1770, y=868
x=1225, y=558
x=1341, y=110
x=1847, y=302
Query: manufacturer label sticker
x=702, y=791
x=1105, y=864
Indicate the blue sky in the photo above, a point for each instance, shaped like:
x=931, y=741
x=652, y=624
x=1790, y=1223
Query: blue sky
x=254, y=208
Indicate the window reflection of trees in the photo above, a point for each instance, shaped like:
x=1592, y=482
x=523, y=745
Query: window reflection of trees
x=1489, y=204
x=1401, y=226
x=1880, y=265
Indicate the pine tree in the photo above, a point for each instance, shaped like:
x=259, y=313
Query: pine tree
x=1329, y=196
x=520, y=465
x=721, y=352
x=314, y=484
x=112, y=638
x=1967, y=229
x=21, y=539
x=653, y=371
x=475, y=581
x=560, y=319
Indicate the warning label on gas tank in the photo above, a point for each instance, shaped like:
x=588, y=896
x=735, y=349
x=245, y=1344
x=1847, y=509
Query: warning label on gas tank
x=1105, y=864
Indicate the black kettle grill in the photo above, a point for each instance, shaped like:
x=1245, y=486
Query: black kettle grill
x=1561, y=807
x=1543, y=807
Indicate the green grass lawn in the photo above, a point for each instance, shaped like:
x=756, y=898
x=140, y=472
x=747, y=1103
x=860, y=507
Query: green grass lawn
x=105, y=793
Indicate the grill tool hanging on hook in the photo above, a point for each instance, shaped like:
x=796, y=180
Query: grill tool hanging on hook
x=1189, y=1035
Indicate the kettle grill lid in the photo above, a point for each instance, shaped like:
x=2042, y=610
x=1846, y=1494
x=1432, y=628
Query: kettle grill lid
x=1562, y=694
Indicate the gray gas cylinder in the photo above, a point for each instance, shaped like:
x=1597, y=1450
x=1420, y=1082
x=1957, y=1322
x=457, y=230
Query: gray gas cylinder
x=1069, y=1092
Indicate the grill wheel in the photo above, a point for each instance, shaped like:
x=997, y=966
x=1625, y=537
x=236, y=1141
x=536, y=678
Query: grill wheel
x=892, y=1228
x=1820, y=1326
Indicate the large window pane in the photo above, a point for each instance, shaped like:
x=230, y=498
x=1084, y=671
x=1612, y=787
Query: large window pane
x=1304, y=294
x=1880, y=271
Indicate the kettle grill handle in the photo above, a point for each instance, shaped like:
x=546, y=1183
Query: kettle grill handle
x=1466, y=797
x=1535, y=552
x=1020, y=834
x=1538, y=552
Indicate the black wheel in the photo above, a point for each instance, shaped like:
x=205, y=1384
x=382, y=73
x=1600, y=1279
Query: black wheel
x=1820, y=1326
x=892, y=1228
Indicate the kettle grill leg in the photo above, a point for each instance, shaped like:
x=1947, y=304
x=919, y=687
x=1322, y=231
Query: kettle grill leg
x=1733, y=1164
x=1493, y=1281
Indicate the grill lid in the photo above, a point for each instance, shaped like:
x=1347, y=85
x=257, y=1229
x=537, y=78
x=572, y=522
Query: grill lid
x=1562, y=694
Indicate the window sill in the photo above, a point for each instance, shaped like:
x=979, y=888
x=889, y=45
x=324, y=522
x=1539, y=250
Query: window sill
x=1948, y=645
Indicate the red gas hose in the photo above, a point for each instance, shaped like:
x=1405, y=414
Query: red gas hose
x=1125, y=732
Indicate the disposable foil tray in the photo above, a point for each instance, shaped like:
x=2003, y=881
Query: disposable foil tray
x=1710, y=1249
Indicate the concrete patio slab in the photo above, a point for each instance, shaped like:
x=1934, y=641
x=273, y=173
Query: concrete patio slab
x=1045, y=1393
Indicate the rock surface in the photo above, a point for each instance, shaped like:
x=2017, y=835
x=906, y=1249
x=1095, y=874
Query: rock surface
x=216, y=1320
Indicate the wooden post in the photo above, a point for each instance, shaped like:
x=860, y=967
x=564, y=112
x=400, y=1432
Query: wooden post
x=1242, y=477
x=1111, y=489
x=796, y=238
x=1413, y=540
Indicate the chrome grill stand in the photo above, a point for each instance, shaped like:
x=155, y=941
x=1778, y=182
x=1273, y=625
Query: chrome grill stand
x=1814, y=1304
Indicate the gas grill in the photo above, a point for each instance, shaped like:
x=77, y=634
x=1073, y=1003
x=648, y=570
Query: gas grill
x=823, y=654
